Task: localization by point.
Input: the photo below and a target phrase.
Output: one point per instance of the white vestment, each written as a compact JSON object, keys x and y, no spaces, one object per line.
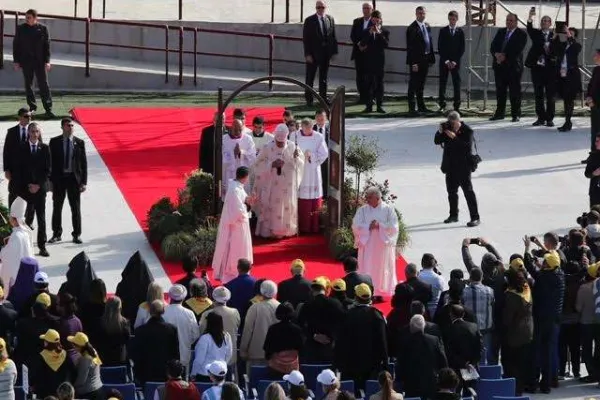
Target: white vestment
{"x":277,"y":205}
{"x":377,"y":247}
{"x":261,"y":141}
{"x":230,"y":162}
{"x":19,"y":245}
{"x":233,"y":239}
{"x":311,"y":185}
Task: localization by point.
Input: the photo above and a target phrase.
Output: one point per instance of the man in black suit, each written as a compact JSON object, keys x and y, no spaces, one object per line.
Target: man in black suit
{"x":451,"y":47}
{"x":15,"y":137}
{"x":419,"y":358}
{"x":295,"y":290}
{"x":353,"y":278}
{"x":373,"y":44}
{"x":322,"y":126}
{"x":69,"y":178}
{"x":320,"y":45}
{"x":507,"y":50}
{"x":359,"y":26}
{"x":462,"y":340}
{"x":421,"y":290}
{"x":592,"y":99}
{"x":419,"y":56}
{"x":31,"y":54}
{"x":34,"y":171}
{"x":207,"y":145}
{"x":543,"y":68}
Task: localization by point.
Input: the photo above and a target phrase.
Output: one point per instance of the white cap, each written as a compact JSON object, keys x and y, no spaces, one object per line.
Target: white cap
{"x":268,"y":289}
{"x":326,"y":377}
{"x":221,"y":294}
{"x":40,"y":277}
{"x":177,"y":292}
{"x":295,"y":378}
{"x":17,"y":210}
{"x":217,"y":368}
{"x":281,"y":133}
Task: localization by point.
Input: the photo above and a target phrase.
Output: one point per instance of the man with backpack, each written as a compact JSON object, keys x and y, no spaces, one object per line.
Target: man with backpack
{"x":176,"y":388}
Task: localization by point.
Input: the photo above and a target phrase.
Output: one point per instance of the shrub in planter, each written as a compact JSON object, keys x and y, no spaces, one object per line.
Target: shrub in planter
{"x":199,"y":186}
{"x":157,"y":227}
{"x":5,"y":229}
{"x":177,"y":245}
{"x":203,"y":248}
{"x":341,"y":243}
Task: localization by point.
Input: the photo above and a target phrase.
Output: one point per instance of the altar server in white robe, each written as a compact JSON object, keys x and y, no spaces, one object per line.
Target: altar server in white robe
{"x":19,"y":245}
{"x":375,"y":228}
{"x":234,"y":240}
{"x":238,"y":151}
{"x":310,"y":194}
{"x":278,"y":170}
{"x":259,"y":134}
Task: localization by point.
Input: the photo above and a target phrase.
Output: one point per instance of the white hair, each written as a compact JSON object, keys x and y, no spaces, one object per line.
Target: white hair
{"x":453,"y":116}
{"x":417,"y":324}
{"x":268,"y":289}
{"x":373,"y":191}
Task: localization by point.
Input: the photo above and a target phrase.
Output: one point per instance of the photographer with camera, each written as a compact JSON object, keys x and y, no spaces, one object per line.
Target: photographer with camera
{"x":551,"y":242}
{"x":576,"y":251}
{"x":456,"y":138}
{"x":592,"y":172}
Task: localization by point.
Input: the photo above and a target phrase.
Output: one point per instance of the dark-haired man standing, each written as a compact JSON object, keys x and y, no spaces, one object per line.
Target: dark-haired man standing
{"x":69,"y":179}
{"x":373,"y":43}
{"x":31,"y":54}
{"x":359,"y":26}
{"x":451,"y":47}
{"x":15,"y":137}
{"x":419,"y":57}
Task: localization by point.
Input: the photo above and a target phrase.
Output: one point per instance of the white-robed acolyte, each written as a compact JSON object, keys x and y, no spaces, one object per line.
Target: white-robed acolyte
{"x":277,"y":189}
{"x":261,"y":141}
{"x":230,"y":162}
{"x":19,"y":245}
{"x":311,"y":184}
{"x":377,"y":247}
{"x":234,"y":240}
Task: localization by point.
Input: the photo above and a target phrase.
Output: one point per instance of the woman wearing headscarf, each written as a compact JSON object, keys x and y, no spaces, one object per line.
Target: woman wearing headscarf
{"x":88,"y":384}
{"x":8,"y":374}
{"x":91,"y":312}
{"x":19,"y":245}
{"x":23,"y":287}
{"x":51,"y":367}
{"x":198,"y":301}
{"x":154,"y":292}
{"x":115,"y":333}
{"x":79,"y":278}
{"x":283,"y":343}
{"x":69,"y":323}
{"x":133,"y":287}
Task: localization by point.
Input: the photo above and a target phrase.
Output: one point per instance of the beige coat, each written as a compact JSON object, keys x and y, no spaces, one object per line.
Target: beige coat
{"x":258,"y":320}
{"x":231,"y":324}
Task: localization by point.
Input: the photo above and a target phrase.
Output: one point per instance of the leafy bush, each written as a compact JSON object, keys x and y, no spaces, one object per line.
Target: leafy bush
{"x":177,"y":245}
{"x":341,"y":243}
{"x":199,"y":191}
{"x":5,"y":229}
{"x":157,"y":227}
{"x":362,"y":156}
{"x":205,"y":239}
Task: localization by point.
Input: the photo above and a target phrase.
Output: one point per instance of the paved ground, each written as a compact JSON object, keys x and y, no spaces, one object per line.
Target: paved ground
{"x":395,"y":12}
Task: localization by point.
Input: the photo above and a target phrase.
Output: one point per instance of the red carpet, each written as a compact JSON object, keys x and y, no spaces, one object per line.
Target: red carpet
{"x":148,"y":151}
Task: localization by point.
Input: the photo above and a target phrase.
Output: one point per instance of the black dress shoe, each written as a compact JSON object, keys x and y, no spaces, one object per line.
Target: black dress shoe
{"x":565,"y":128}
{"x":539,"y":122}
{"x":77,"y":240}
{"x":424,"y":110}
{"x":49,"y":114}
{"x":496,"y":117}
{"x":413,"y":113}
{"x":380,"y":110}
{"x":368,"y":110}
{"x":30,"y":226}
{"x":450,"y":220}
{"x":473,"y":223}
{"x":54,"y":239}
{"x":549,"y":124}
{"x":515,"y":119}
{"x":44,"y":252}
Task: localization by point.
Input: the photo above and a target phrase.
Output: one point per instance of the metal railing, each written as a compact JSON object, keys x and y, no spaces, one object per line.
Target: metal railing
{"x":183,"y":33}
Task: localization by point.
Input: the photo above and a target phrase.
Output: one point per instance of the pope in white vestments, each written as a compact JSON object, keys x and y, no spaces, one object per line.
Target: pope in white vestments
{"x":310,"y":193}
{"x":234,"y":240}
{"x":375,"y":228}
{"x":238,"y":151}
{"x":19,"y":245}
{"x":278,"y":172}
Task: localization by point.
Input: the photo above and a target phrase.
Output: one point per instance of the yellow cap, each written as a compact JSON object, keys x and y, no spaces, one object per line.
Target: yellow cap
{"x":517,"y":264}
{"x":322,"y":281}
{"x":297,"y":266}
{"x":339,"y":285}
{"x":552,"y":259}
{"x":80,"y":339}
{"x":51,"y":336}
{"x":2,"y":344}
{"x":363,"y":291}
{"x":44,"y":299}
{"x":592,"y":270}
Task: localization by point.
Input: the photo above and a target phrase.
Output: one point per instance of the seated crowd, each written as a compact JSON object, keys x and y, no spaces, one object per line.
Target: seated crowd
{"x":537,"y":316}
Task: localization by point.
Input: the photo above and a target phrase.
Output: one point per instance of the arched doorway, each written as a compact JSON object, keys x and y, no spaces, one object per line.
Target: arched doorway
{"x":336,"y":114}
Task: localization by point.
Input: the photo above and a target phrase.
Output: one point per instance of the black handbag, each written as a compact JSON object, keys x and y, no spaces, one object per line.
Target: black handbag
{"x":475,"y":158}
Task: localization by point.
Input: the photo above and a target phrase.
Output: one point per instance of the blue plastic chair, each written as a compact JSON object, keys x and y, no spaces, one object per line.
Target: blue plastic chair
{"x":127,"y":390}
{"x":257,"y":373}
{"x":114,"y":374}
{"x":19,"y":393}
{"x":261,"y":387}
{"x":490,"y":371}
{"x":512,"y":398}
{"x":202,"y":386}
{"x":371,"y":387}
{"x":488,"y":388}
{"x":310,"y":372}
{"x":150,"y":388}
{"x":344,"y":386}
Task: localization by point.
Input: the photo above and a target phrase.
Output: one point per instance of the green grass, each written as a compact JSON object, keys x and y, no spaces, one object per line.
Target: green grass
{"x":395,"y":106}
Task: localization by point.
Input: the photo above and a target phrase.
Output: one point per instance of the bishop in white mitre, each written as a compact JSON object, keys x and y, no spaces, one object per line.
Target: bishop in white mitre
{"x":310,"y":193}
{"x":19,"y":245}
{"x":375,"y":228}
{"x":238,"y":151}
{"x":278,"y":171}
{"x":233,"y":238}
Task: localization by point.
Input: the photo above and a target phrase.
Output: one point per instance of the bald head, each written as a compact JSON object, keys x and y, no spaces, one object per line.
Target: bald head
{"x":367,"y":8}
{"x":236,"y":127}
{"x":320,"y":7}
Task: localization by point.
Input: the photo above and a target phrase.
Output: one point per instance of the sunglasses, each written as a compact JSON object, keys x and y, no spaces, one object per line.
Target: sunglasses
{"x":28,"y":116}
{"x":71,"y":125}
{"x":320,"y":7}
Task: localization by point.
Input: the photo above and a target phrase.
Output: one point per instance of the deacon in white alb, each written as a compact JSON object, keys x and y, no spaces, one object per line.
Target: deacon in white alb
{"x":238,"y":151}
{"x":375,"y":228}
{"x":19,"y":245}
{"x":278,"y":170}
{"x":234,"y":240}
{"x":259,"y":134}
{"x":310,"y":194}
